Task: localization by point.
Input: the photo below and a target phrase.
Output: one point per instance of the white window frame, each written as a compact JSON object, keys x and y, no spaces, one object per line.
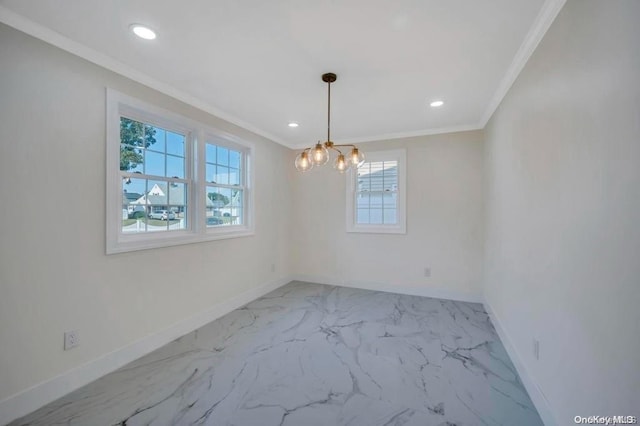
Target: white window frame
{"x":119,"y":105}
{"x":230,"y":142}
{"x":399,"y":155}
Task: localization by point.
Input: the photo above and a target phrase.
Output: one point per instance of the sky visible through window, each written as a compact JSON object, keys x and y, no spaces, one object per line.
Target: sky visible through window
{"x":150,"y":150}
{"x":153,"y":151}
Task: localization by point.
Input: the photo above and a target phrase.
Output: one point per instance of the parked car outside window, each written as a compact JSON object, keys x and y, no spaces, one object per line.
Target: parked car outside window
{"x":162,"y":215}
{"x":214,"y":221}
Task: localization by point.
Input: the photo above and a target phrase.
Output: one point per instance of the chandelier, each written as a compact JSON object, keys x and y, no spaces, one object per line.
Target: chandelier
{"x":320,"y":153}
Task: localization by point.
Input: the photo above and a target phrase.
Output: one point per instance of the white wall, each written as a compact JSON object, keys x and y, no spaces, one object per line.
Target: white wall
{"x":54,"y":274}
{"x":560,"y":205}
{"x":563,"y":211}
{"x":444,"y":224}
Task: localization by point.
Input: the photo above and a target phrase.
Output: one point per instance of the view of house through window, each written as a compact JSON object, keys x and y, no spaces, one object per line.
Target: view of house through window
{"x":154,"y":184}
{"x":377,"y":193}
{"x":172,"y":180}
{"x":225,"y":186}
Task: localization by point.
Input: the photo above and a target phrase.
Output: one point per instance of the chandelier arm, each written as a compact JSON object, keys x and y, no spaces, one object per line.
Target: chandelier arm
{"x":352,"y":146}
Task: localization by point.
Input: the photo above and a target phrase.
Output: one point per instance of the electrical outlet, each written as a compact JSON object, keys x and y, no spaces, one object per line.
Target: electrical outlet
{"x":71,"y":339}
{"x":427,"y":272}
{"x":536,"y":349}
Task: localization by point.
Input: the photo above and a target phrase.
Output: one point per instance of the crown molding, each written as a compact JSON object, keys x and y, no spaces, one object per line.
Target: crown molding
{"x":56,"y":39}
{"x":400,"y":135}
{"x":546,"y":16}
{"x":543,"y":21}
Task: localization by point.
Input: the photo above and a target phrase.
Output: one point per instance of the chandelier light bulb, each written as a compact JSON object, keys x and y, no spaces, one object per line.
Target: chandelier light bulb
{"x":356,"y":158}
{"x":303,"y":163}
{"x":319,"y":155}
{"x":341,"y":164}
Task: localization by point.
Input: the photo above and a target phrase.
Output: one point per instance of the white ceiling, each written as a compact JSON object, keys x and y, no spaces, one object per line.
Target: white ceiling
{"x":258,"y":63}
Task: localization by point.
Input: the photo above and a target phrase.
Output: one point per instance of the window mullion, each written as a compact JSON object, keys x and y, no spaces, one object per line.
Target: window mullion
{"x":153,"y":177}
{"x":377,"y":192}
{"x":222,"y":185}
{"x":198,"y":164}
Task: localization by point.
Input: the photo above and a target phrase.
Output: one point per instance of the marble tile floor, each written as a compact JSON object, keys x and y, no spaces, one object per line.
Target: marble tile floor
{"x":309,"y":354}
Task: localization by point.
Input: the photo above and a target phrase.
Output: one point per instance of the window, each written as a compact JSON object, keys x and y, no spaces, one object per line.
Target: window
{"x":155,"y":182}
{"x":225,"y":187}
{"x":376,"y":194}
{"x":158,"y":193}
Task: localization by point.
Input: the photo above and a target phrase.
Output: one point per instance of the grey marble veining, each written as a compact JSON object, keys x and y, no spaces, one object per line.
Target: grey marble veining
{"x":309,"y":354}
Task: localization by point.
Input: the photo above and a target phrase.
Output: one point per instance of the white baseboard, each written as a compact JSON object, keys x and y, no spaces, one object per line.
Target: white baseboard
{"x":43,"y":393}
{"x":534,"y":391}
{"x":391,"y":288}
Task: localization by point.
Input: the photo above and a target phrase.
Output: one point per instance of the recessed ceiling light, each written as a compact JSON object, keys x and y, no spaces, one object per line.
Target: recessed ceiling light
{"x":293,"y":124}
{"x":436,"y":104}
{"x":143,"y":32}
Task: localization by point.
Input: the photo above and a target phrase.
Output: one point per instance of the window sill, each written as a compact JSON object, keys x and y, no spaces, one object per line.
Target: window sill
{"x":377,"y":229}
{"x":177,"y":240}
